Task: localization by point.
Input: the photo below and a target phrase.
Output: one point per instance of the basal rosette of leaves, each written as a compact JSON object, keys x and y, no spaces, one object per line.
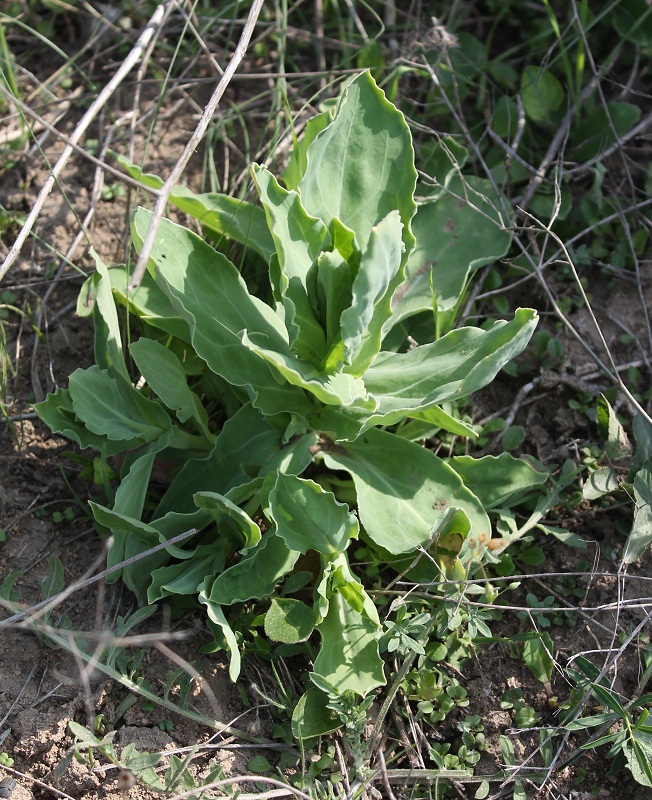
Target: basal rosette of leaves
{"x":307,"y":389}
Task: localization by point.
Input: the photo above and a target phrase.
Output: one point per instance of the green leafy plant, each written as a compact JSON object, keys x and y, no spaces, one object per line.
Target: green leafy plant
{"x":636,"y":480}
{"x":631,"y":743}
{"x":272,"y":426}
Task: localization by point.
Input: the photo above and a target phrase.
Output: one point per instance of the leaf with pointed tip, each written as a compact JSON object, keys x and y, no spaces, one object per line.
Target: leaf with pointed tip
{"x":334,"y":289}
{"x":220,"y":214}
{"x":361,"y":166}
{"x":208,"y":291}
{"x":299,"y":238}
{"x":165,"y":375}
{"x":256,"y":575}
{"x":298,"y":160}
{"x":640,"y":536}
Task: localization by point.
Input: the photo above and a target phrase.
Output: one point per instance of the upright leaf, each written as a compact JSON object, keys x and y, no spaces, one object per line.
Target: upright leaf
{"x":216,"y":616}
{"x":640,"y":537}
{"x":456,"y":233}
{"x":361,"y":166}
{"x":165,"y":375}
{"x":348,"y":657}
{"x":108,"y":339}
{"x":299,"y":238}
{"x":199,"y":281}
{"x":111,"y":407}
{"x":378,"y":276}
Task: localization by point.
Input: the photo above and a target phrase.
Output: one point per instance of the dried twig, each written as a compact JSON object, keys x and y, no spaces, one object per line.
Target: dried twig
{"x":193,"y":143}
{"x":151,"y":29}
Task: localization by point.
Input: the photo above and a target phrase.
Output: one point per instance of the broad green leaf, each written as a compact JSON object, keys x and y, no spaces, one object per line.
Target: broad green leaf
{"x":131,"y":539}
{"x":186,"y":577}
{"x":220,"y":214}
{"x":541,"y":92}
{"x":403,"y":489}
{"x":256,"y":575}
{"x":638,"y":752}
{"x":642,"y":431}
{"x":149,"y":303}
{"x":203,"y":285}
{"x":602,"y":128}
{"x":641,"y":534}
{"x":537,"y":654}
{"x":348,"y":657}
{"x":309,"y":518}
{"x":299,"y":238}
{"x":361,"y":167}
{"x":456,"y":234}
{"x":339,"y":389}
{"x":246,"y":441}
{"x":459,"y":363}
{"x":378,"y":276}
{"x":600,"y":482}
{"x":311,"y":716}
{"x":289,"y":621}
{"x":130,"y":495}
{"x":425,"y":424}
{"x":298,"y":159}
{"x":59,"y":415}
{"x":498,"y":480}
{"x":345,"y":243}
{"x":633,"y":21}
{"x":220,"y":507}
{"x":216,"y":616}
{"x":165,"y":375}
{"x":111,"y":407}
{"x":334,"y":290}
{"x":613,"y":434}
{"x":109,"y":353}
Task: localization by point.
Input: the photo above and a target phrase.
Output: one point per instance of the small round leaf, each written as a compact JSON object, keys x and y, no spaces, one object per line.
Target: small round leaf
{"x":289,"y":621}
